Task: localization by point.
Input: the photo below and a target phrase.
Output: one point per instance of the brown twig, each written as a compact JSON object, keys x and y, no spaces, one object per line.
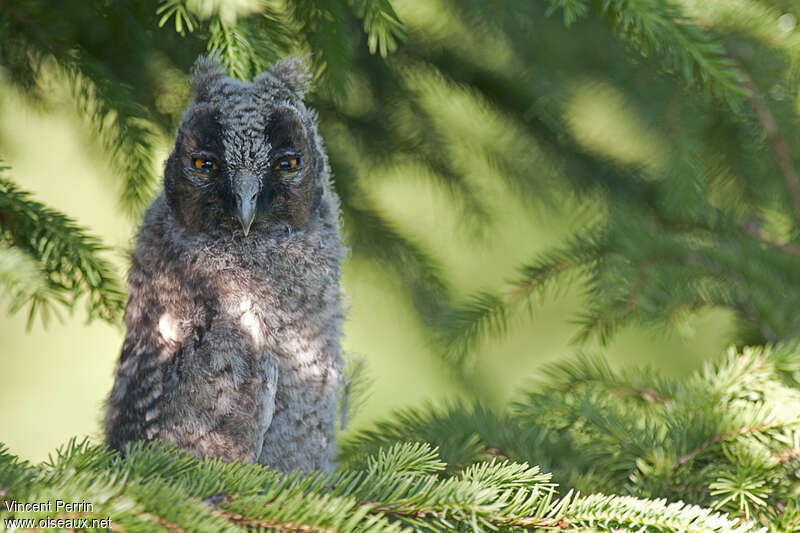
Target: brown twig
{"x":786,"y":455}
{"x":170,"y":525}
{"x":779,"y":145}
{"x":274,"y":525}
{"x":692,"y":488}
{"x":398,"y":510}
{"x":744,"y":304}
{"x":528,"y":286}
{"x":707,"y":444}
{"x":638,"y":282}
{"x":519,"y":521}
{"x":753,"y":231}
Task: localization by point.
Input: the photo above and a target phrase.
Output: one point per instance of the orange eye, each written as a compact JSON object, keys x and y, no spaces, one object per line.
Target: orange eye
{"x":204,"y":164}
{"x":288,"y":163}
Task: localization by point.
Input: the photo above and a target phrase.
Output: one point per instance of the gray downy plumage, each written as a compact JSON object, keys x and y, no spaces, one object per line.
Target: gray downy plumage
{"x":235,"y":312}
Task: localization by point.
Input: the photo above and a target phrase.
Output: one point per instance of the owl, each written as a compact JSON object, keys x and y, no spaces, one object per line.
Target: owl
{"x":234,"y":315}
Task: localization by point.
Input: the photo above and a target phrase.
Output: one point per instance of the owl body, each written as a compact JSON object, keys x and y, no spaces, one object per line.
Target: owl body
{"x":235,"y":311}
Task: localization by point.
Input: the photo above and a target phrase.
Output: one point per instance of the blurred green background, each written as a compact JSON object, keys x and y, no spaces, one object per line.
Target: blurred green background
{"x":54,"y":380}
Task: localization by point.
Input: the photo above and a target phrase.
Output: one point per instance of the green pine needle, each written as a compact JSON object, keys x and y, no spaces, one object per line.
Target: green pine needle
{"x":69,"y":260}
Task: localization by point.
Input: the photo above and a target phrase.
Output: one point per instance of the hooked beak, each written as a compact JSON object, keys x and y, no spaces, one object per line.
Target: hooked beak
{"x":245,"y":194}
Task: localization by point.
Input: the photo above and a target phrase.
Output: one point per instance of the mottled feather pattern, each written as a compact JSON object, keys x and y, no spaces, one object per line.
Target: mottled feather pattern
{"x":232,"y":345}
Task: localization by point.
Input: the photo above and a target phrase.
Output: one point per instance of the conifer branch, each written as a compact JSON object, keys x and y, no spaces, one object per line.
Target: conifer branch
{"x":752,"y":230}
{"x":776,"y":141}
{"x":274,"y":525}
{"x":742,"y":300}
{"x":67,"y":256}
{"x":242,"y":49}
{"x":626,"y":512}
{"x":381,"y":24}
{"x":716,"y":439}
{"x":37,"y":40}
{"x":405,"y":484}
{"x":735,"y":419}
{"x":586,"y":370}
{"x":160,"y":485}
{"x":663,"y":27}
{"x":369,"y":234}
{"x":323,"y":26}
{"x":21,"y":279}
{"x":573,"y":9}
{"x":123,"y":126}
{"x":460,"y":328}
{"x":177,"y":9}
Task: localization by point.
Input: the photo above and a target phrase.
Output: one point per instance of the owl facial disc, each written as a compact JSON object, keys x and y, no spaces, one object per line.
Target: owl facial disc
{"x":247,"y":155}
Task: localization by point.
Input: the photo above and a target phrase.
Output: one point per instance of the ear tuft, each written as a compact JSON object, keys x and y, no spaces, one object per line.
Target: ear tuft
{"x":292,"y":72}
{"x":205,"y":72}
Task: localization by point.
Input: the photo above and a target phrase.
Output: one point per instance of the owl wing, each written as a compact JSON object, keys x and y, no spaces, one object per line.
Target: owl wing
{"x":138,"y":385}
{"x":206,"y":389}
{"x":269,"y":378}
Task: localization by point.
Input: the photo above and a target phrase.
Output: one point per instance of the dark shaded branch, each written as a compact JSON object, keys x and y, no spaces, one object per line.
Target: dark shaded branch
{"x":776,"y":141}
{"x":752,"y":230}
{"x":718,"y":438}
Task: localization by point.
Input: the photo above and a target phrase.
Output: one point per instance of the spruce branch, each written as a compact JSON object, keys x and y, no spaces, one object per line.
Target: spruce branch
{"x":644,"y":387}
{"x":39,"y":40}
{"x":661,"y":26}
{"x":626,"y":512}
{"x":402,"y":483}
{"x":776,"y":141}
{"x":123,"y":126}
{"x":231,"y":45}
{"x":405,"y":132}
{"x":68,"y":257}
{"x":370,"y":235}
{"x":270,"y":525}
{"x":160,"y":487}
{"x":729,"y":428}
{"x":381,"y":24}
{"x":742,"y":300}
{"x":227,"y":11}
{"x":324,"y":28}
{"x":573,"y":9}
{"x":22,"y":280}
{"x":177,"y":9}
{"x":752,"y":229}
{"x":27,"y":44}
{"x":460,"y":328}
{"x":719,"y":438}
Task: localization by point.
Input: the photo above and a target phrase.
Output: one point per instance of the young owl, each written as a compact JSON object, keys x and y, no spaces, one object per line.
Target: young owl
{"x":234,"y":315}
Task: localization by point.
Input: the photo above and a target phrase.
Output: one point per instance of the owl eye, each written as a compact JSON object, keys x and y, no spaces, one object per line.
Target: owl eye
{"x":204,"y":164}
{"x":291,"y":162}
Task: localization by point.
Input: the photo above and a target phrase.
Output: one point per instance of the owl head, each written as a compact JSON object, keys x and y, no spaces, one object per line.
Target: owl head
{"x":247,"y":155}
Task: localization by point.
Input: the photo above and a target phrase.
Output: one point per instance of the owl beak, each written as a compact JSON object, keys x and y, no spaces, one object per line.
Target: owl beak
{"x":245,"y":193}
